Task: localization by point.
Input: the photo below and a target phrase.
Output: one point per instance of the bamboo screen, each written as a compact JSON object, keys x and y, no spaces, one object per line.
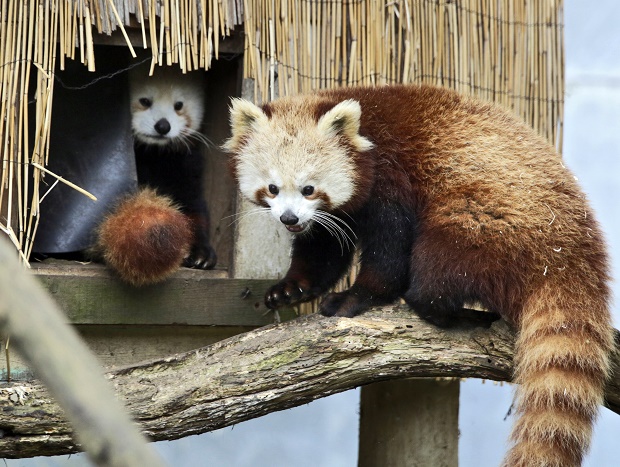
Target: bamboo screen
{"x":38,"y":36}
{"x":501,"y":50}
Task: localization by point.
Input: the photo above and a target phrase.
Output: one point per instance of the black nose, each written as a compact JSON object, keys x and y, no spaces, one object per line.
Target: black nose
{"x":162,"y":126}
{"x":288,"y":218}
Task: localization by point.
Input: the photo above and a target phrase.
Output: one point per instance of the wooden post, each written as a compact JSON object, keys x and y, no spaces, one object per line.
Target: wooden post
{"x":262,"y":246}
{"x":411,"y":423}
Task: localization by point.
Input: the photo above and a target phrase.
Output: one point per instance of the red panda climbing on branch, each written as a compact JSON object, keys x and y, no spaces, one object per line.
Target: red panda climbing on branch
{"x":449,"y":199}
{"x":166,"y":224}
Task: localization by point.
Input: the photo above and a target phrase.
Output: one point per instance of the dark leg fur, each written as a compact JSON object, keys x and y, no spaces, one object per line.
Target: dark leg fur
{"x":446,"y":314}
{"x":201,"y":255}
{"x":177,"y":173}
{"x":352,"y":302}
{"x":386,"y":234}
{"x":317,"y":264}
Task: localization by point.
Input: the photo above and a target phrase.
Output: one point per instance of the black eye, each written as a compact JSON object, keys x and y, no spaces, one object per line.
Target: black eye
{"x":273,"y":189}
{"x":307,"y":190}
{"x":178,"y":105}
{"x":145,"y":102}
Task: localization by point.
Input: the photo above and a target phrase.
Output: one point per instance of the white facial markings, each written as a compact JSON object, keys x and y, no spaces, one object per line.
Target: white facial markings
{"x":291,"y":151}
{"x":175,"y":107}
{"x":245,"y":119}
{"x":344,"y":118}
{"x":294,"y":203}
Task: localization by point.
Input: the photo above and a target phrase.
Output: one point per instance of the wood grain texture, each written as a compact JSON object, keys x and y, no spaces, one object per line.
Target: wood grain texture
{"x":90,"y":294}
{"x":412,"y":422}
{"x":266,"y":370}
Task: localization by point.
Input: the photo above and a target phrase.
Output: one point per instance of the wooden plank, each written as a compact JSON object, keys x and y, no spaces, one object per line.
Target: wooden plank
{"x":223,"y":82}
{"x":262,"y":245}
{"x":118,"y":346}
{"x":90,"y":294}
{"x":127,"y":345}
{"x":409,"y":422}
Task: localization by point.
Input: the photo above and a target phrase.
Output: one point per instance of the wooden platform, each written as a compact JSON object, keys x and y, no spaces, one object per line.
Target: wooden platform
{"x":125,"y":325}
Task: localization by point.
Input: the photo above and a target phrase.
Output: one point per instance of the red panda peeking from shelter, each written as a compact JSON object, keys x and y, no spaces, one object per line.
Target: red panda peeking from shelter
{"x":166,"y":224}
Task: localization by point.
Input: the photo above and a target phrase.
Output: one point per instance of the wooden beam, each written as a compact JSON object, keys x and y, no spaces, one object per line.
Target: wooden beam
{"x":262,"y":245}
{"x":91,"y":294}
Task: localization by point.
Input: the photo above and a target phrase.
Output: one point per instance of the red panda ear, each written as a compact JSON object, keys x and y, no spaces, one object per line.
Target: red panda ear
{"x":245,"y":118}
{"x":344,"y":119}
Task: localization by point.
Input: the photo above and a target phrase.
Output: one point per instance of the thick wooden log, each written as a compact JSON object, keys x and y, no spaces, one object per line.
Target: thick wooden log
{"x":266,"y":370}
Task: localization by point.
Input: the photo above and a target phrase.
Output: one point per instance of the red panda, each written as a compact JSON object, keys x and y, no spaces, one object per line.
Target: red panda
{"x":449,"y":199}
{"x":167,"y":111}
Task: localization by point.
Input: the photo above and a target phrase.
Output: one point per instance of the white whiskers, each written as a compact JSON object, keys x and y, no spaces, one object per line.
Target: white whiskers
{"x":189,"y":134}
{"x":339,"y":229}
{"x":243,"y":214}
{"x":336,"y":227}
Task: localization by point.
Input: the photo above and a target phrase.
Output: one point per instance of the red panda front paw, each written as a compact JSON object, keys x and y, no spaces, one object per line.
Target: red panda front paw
{"x":344,"y":304}
{"x":201,"y":257}
{"x":289,"y":292}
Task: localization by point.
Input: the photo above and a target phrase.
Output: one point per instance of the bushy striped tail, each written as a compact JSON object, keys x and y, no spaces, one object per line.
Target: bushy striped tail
{"x":562,"y":361}
{"x":145,"y":238}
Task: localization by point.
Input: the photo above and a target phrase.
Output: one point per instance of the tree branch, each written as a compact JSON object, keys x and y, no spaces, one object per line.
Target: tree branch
{"x":270,"y":369}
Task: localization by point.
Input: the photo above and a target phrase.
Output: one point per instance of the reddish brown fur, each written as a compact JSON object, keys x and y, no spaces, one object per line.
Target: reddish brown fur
{"x":498,"y":219}
{"x":145,"y":238}
{"x":525,"y":236}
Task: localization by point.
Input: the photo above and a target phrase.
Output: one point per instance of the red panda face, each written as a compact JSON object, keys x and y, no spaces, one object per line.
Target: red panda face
{"x":298,"y":167}
{"x":165,"y":108}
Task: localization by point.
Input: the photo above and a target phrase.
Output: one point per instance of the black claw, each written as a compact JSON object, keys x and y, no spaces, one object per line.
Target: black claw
{"x":287,"y":292}
{"x":201,"y":258}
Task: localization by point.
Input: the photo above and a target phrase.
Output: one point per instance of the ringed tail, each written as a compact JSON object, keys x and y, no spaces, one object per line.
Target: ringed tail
{"x":561,"y":364}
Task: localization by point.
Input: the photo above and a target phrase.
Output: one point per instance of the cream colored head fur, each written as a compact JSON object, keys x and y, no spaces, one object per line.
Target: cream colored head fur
{"x":167,"y":107}
{"x":278,"y":157}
